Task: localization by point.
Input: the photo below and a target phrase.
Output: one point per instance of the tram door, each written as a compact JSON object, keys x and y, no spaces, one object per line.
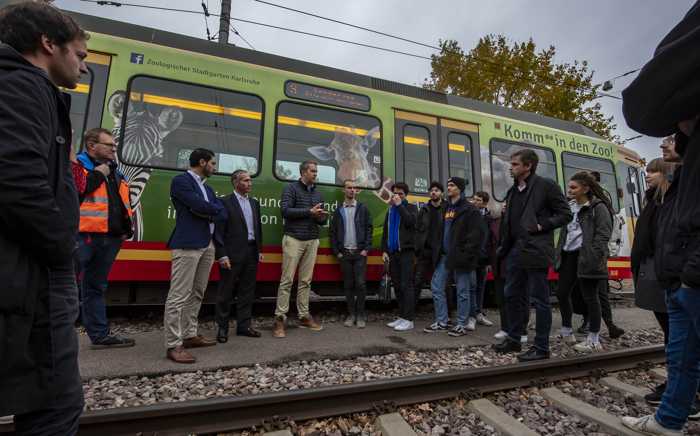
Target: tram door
{"x":431,"y":148}
{"x":459,"y":153}
{"x":417,"y":153}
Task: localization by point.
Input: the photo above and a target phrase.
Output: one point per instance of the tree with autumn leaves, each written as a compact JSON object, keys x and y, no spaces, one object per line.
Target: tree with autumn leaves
{"x":519,"y":76}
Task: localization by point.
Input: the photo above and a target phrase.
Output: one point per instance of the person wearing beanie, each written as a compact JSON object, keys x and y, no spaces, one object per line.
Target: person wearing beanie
{"x":462,"y":236}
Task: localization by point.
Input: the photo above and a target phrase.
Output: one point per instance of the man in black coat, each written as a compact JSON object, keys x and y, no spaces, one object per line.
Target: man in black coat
{"x":429,"y":229}
{"x":536,"y":206}
{"x":238,"y":242}
{"x":398,"y":248}
{"x":665,"y":100}
{"x":351,"y":239}
{"x":40,"y":384}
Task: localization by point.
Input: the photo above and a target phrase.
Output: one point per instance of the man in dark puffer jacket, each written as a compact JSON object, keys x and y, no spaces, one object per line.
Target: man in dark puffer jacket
{"x":303,"y":213}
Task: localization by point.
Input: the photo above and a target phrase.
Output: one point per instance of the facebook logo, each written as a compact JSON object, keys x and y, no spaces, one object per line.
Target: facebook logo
{"x":137,"y":58}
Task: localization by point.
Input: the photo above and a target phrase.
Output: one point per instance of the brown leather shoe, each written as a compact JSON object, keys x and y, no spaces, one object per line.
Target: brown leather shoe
{"x":309,"y":323}
{"x":180,"y":355}
{"x":198,"y":341}
{"x":278,"y":328}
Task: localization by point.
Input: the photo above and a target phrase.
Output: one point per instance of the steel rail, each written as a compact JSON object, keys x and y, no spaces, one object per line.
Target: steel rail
{"x":234,"y":413}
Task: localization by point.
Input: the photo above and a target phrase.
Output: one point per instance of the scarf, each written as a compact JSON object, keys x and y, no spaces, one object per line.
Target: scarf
{"x":394,"y":224}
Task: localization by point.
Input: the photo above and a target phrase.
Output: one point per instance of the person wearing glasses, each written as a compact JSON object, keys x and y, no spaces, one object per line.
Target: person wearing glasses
{"x":105,"y":221}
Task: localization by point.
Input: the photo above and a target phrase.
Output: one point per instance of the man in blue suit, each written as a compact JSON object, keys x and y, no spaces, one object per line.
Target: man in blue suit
{"x":192,"y":254}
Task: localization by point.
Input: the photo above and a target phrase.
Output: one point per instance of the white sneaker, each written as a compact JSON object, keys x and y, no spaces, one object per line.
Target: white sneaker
{"x":395,"y":322}
{"x":588,"y":346}
{"x":523,"y":339}
{"x":648,"y":425}
{"x":471,"y":324}
{"x":481,"y":319}
{"x":501,"y":335}
{"x":405,"y":325}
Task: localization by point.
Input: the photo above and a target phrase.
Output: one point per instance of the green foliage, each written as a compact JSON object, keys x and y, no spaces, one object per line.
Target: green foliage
{"x":520,"y":77}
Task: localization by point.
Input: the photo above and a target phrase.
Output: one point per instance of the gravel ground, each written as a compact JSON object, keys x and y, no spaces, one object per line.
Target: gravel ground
{"x":358,"y":424}
{"x":533,"y":410}
{"x":136,"y":391}
{"x":612,"y":401}
{"x":448,"y":418}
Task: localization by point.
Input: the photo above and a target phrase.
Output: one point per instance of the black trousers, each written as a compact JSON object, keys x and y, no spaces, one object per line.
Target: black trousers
{"x":401,"y":270}
{"x":60,"y":417}
{"x":589,"y":288}
{"x":239,"y":282}
{"x":604,"y":298}
{"x":354,"y":266}
{"x":424,"y":270}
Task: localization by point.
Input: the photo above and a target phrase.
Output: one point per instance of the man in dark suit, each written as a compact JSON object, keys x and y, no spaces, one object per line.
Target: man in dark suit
{"x":238,"y":241}
{"x":192,"y":254}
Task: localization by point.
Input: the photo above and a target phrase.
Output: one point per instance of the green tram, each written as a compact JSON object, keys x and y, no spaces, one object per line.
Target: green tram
{"x":165,"y":94}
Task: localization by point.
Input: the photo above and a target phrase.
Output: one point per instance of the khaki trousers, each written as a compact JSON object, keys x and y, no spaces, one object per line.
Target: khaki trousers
{"x":189,"y":277}
{"x":301,"y":254}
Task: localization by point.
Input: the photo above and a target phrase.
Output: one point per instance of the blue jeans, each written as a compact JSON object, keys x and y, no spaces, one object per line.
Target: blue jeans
{"x":682,"y":357}
{"x":522,"y":287}
{"x":465,"y":281}
{"x":477,"y":294}
{"x":96,"y":253}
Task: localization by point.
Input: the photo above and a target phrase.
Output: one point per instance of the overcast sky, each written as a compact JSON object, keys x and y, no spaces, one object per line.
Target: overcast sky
{"x":613,"y":36}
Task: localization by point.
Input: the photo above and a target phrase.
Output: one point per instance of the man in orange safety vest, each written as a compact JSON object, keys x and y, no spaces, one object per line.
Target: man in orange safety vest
{"x":105,"y":221}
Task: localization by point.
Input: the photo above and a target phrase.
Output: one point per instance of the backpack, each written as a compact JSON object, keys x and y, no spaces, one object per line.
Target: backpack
{"x":615,"y":243}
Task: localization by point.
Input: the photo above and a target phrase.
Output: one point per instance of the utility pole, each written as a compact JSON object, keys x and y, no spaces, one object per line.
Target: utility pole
{"x":224,"y":21}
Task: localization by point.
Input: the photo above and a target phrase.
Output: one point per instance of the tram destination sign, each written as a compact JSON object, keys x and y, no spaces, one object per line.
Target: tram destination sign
{"x":333,"y":97}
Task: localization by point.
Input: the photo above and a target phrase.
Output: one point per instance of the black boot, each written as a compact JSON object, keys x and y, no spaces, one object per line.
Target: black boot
{"x":507,"y":346}
{"x":533,"y":354}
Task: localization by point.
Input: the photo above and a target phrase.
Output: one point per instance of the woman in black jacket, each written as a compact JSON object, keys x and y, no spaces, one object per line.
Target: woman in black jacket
{"x":648,"y":293}
{"x":582,"y":256}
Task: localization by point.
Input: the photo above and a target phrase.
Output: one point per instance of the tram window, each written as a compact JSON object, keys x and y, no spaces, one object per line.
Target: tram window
{"x":416,"y":158}
{"x":87,"y":99}
{"x":633,"y":176}
{"x":500,"y":165}
{"x":346,"y":145}
{"x":166,"y":120}
{"x":574,"y":163}
{"x":459,"y":150}
{"x":80,"y":97}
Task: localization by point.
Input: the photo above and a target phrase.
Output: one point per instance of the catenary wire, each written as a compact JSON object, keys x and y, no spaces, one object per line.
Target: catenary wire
{"x":333,"y":20}
{"x":546,"y":79}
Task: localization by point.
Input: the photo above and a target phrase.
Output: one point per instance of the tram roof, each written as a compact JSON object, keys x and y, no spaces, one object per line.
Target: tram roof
{"x":169,"y":39}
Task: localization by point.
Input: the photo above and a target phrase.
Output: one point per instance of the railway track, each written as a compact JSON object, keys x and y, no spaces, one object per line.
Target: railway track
{"x":233,"y":413}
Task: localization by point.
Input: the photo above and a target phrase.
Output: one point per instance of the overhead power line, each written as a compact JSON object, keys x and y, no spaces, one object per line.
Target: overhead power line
{"x":241,"y":36}
{"x":333,"y":20}
{"x":206,"y":21}
{"x":545,"y":79}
